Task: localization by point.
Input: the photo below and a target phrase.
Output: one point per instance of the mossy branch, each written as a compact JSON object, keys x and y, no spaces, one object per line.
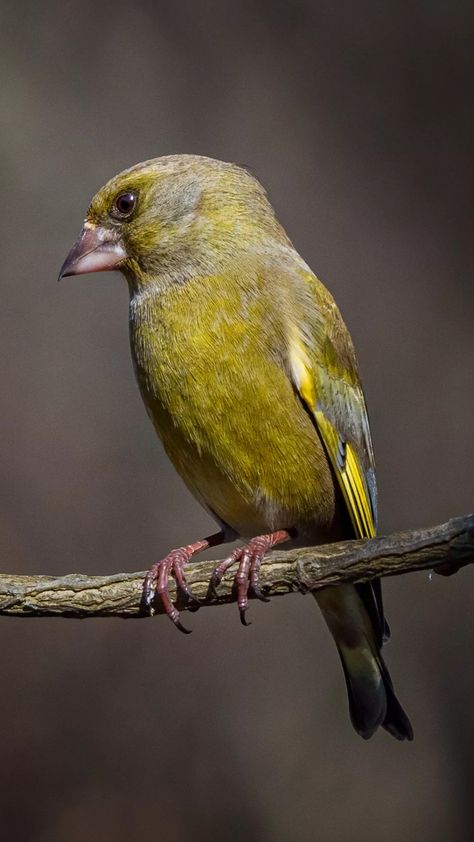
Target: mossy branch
{"x":443,"y":549}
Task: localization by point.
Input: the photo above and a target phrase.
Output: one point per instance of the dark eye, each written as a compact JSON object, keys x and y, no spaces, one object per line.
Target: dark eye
{"x":124,"y":205}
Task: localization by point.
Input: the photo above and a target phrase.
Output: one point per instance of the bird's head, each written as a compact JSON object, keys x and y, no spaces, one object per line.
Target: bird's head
{"x":172,"y":218}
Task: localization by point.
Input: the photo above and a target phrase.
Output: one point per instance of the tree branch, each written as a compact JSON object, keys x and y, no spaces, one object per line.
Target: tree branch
{"x":443,"y":549}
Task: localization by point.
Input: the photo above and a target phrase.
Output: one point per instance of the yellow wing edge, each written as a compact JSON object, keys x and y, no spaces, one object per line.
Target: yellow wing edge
{"x":343,"y":456}
{"x":350,"y":476}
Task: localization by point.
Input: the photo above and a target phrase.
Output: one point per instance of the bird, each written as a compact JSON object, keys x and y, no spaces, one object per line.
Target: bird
{"x":249,"y":376}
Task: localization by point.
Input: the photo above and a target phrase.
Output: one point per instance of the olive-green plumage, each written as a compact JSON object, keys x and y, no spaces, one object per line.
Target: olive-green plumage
{"x":249,"y":376}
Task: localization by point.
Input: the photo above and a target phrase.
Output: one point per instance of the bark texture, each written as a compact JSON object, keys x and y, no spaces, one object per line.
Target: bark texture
{"x":444,"y":549}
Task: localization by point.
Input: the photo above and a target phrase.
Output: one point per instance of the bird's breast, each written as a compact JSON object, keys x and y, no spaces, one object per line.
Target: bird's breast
{"x":212,"y":377}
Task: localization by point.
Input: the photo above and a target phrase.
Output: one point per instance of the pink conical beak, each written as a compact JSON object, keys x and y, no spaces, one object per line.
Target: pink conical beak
{"x":95,"y":250}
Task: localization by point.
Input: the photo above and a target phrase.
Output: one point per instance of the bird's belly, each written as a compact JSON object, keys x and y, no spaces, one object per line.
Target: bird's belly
{"x":256,"y":477}
{"x":222,"y":403}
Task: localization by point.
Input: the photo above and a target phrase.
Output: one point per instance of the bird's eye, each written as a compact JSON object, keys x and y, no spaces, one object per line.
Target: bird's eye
{"x":125,"y":204}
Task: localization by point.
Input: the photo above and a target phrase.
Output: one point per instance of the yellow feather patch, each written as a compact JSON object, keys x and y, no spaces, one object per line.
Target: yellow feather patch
{"x":350,"y":476}
{"x":342,"y":455}
{"x":301,"y":371}
{"x":358,"y":483}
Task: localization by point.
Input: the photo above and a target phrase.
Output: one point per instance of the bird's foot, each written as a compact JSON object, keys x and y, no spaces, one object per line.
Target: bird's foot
{"x":156,"y":581}
{"x":247,"y":578}
{"x":156,"y":584}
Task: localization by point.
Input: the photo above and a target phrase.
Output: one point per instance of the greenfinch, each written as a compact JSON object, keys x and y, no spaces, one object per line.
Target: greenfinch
{"x":249,"y":376}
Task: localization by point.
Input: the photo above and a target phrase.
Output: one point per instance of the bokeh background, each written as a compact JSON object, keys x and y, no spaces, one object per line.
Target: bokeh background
{"x":357,"y":118}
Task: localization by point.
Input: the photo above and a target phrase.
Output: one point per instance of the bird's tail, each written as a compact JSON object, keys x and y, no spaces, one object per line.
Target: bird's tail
{"x":372,"y":700}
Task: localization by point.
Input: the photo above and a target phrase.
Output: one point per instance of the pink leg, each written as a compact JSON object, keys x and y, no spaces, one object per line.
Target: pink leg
{"x":247,"y":577}
{"x":156,"y":581}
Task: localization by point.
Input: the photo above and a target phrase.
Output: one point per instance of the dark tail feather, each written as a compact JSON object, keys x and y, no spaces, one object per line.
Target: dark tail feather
{"x":372,"y":701}
{"x":366,"y":691}
{"x":396,"y":721}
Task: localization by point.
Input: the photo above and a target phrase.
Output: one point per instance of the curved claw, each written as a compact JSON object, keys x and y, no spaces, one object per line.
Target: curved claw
{"x":182,"y":628}
{"x":214,"y":583}
{"x":256,"y":590}
{"x":148,"y":600}
{"x":149,"y":591}
{"x":173,"y":614}
{"x":242,"y":612}
{"x":193,"y":605}
{"x":192,"y":602}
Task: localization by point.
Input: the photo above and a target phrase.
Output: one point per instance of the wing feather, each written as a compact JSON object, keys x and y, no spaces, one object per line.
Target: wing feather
{"x":324,"y":371}
{"x":331,"y":391}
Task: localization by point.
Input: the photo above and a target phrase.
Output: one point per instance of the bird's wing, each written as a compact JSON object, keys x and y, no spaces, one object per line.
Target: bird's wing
{"x":324,"y":371}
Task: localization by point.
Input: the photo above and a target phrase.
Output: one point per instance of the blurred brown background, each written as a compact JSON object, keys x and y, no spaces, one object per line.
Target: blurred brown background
{"x":356,"y":117}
